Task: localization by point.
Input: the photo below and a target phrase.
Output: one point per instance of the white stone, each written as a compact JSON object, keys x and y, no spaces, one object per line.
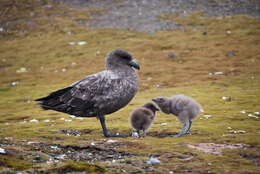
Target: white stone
{"x":153,"y":161}
{"x":72,"y":43}
{"x":163,"y":124}
{"x":135,"y":134}
{"x":207,"y":116}
{"x":21,"y":70}
{"x":82,"y":43}
{"x":2,"y":151}
{"x":34,"y":121}
{"x":243,"y":112}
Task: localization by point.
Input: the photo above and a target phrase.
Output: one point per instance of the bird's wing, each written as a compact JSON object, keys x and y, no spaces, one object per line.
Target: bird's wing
{"x":80,"y":98}
{"x":86,"y":96}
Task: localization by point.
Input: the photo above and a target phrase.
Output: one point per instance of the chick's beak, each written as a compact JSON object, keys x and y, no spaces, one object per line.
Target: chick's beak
{"x":133,"y":63}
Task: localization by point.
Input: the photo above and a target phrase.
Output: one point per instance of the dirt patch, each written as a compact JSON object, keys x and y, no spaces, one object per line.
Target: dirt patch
{"x":142,"y":15}
{"x":90,"y":153}
{"x":215,"y":149}
{"x":255,"y":158}
{"x":72,"y":132}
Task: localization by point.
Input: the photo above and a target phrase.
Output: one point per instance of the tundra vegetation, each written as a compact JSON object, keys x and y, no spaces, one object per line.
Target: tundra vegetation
{"x":44,"y":48}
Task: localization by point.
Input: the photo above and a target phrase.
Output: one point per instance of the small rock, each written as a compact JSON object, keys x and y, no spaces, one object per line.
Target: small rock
{"x":46,"y":121}
{"x":92,"y":144}
{"x":63,"y":70}
{"x":204,"y":33}
{"x":238,"y":131}
{"x":226,"y":98}
{"x":251,"y":115}
{"x":72,"y":116}
{"x":172,"y":56}
{"x":230,"y":53}
{"x":257,"y":113}
{"x":34,"y":121}
{"x":82,"y":43}
{"x":21,"y":70}
{"x":79,"y":118}
{"x":1,"y":29}
{"x":228,"y":32}
{"x":163,"y":124}
{"x":229,"y":128}
{"x":135,"y":134}
{"x":67,"y":120}
{"x":62,"y":156}
{"x":14,"y":83}
{"x":54,"y":147}
{"x":32,"y":142}
{"x":2,"y":151}
{"x":62,"y":118}
{"x":149,"y":78}
{"x":73,"y":63}
{"x":48,"y":6}
{"x":207,"y":116}
{"x":153,"y":161}
{"x":157,"y":86}
{"x":216,"y":73}
{"x":72,"y":43}
{"x":112,"y":141}
{"x":243,"y":112}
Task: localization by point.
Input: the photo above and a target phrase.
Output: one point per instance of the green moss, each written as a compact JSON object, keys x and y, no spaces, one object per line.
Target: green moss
{"x":79,"y":166}
{"x":13,"y":163}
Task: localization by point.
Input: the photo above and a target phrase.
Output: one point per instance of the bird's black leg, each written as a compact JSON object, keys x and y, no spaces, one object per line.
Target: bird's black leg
{"x":104,"y":127}
{"x":189,"y":126}
{"x":103,"y":124}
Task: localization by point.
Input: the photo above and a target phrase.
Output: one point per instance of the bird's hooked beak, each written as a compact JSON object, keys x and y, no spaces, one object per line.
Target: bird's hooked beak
{"x":133,"y":63}
{"x":157,"y":100}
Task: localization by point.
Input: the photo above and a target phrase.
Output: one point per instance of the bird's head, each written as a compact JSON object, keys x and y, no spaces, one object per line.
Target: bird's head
{"x":151,"y":106}
{"x":120,"y":58}
{"x":162,"y":103}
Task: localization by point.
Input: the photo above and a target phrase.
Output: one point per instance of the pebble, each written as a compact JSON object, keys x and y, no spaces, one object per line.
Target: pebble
{"x":230,"y":53}
{"x":226,"y":98}
{"x":1,"y":29}
{"x":2,"y":151}
{"x":22,"y":70}
{"x":34,"y":121}
{"x":238,"y":131}
{"x":153,"y":161}
{"x":243,"y":112}
{"x":163,"y":124}
{"x":14,"y":83}
{"x":72,"y":116}
{"x":172,"y":56}
{"x":82,"y":43}
{"x":72,"y":43}
{"x":112,"y":141}
{"x":67,"y":120}
{"x":251,"y":115}
{"x":207,"y":116}
{"x":257,"y":113}
{"x":228,"y":32}
{"x":135,"y":134}
{"x":216,"y":73}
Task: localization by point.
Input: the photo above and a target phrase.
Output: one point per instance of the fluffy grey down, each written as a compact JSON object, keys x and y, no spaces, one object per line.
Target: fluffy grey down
{"x":184,"y":107}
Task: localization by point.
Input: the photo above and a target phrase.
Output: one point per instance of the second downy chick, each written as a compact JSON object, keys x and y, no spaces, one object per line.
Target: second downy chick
{"x":142,"y":118}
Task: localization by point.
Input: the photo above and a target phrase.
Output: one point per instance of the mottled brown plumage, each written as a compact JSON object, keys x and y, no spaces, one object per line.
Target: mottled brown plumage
{"x":99,"y":94}
{"x":142,"y":118}
{"x":184,"y":107}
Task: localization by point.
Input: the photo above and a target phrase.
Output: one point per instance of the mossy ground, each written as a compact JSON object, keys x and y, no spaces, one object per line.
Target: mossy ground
{"x":44,"y":51}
